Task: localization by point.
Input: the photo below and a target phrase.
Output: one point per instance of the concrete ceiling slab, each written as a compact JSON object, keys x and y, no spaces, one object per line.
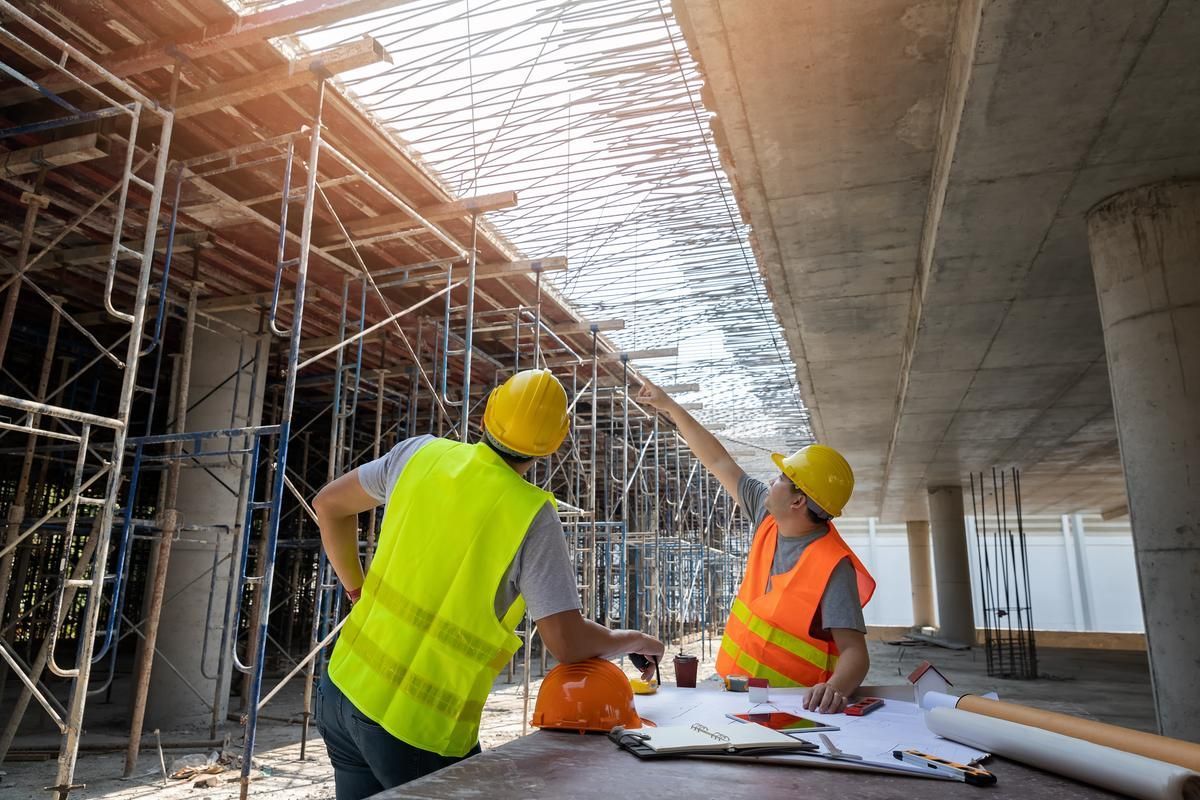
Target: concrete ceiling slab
{"x":1050,"y":330}
{"x":916,"y":175}
{"x":1020,"y":387}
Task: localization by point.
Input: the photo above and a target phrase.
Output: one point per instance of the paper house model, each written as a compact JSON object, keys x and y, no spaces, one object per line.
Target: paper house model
{"x":926,"y":678}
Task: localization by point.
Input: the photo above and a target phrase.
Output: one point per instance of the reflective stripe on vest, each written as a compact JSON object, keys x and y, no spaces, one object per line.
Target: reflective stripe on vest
{"x":422,"y":645}
{"x":806,"y":663}
{"x":767,"y":634}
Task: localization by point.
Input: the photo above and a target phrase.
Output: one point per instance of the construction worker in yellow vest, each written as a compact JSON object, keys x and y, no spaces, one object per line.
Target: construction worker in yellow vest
{"x":466,"y":545}
{"x":797,"y":619}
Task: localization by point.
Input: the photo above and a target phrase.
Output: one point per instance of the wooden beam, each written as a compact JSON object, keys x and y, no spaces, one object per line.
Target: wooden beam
{"x":399,"y":222}
{"x":280,"y":79}
{"x":691,"y":406}
{"x":586,"y":327}
{"x":658,"y":352}
{"x":498,"y":333}
{"x":53,"y":154}
{"x":1115,"y":512}
{"x":217,"y":37}
{"x":485,"y":271}
{"x":632,"y":355}
{"x":213,"y":305}
{"x":92,"y":254}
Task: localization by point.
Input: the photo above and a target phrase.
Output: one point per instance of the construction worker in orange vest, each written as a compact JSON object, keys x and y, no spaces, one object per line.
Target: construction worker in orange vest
{"x":465,"y":547}
{"x":797,"y":619}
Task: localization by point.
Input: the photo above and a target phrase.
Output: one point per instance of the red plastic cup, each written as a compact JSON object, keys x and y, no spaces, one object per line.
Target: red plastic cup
{"x":685,"y":671}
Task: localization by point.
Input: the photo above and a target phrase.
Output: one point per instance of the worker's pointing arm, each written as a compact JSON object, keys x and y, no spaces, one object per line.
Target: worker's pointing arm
{"x":337,"y":507}
{"x":712,"y":453}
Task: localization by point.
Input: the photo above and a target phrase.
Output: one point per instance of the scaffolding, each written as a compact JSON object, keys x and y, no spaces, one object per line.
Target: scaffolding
{"x":363,"y":306}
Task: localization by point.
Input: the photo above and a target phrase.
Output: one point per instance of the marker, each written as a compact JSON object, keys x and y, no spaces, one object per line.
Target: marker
{"x":961,"y":772}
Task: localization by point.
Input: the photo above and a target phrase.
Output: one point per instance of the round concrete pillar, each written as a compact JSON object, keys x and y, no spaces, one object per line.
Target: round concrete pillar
{"x":920,"y":570}
{"x":1145,"y":246}
{"x":207,"y":505}
{"x":956,"y":619}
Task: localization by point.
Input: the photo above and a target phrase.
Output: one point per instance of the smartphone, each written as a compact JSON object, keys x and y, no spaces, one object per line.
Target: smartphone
{"x":784,"y":722}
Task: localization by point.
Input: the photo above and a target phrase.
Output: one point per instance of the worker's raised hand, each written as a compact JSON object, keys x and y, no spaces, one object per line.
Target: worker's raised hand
{"x":651,"y":395}
{"x":824,"y":699}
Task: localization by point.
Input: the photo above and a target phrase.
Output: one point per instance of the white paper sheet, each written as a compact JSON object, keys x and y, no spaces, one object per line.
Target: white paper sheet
{"x":898,"y":725}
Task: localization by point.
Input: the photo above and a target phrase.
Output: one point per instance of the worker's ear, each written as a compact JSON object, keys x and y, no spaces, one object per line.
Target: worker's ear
{"x":799,"y":501}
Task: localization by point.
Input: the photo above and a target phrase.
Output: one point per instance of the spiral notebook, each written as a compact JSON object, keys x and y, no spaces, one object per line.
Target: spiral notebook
{"x":699,"y":738}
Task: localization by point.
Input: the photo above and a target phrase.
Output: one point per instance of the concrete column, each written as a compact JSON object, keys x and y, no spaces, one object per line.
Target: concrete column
{"x":207,"y":503}
{"x":920,"y":570}
{"x":956,"y":620}
{"x":1145,"y":246}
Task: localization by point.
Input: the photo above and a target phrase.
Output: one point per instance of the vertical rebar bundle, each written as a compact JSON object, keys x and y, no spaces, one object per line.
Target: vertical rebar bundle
{"x":1003,"y":562}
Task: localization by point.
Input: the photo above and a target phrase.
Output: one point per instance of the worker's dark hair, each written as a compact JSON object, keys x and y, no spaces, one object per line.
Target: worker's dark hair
{"x":510,"y":458}
{"x":815,"y":513}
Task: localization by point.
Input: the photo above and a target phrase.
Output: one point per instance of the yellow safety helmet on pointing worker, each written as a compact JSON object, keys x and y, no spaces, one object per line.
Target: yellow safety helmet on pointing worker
{"x":821,"y":473}
{"x":527,"y":414}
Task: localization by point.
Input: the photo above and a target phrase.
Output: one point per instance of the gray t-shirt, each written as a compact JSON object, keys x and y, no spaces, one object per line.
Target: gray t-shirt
{"x":840,"y":607}
{"x":541,"y":569}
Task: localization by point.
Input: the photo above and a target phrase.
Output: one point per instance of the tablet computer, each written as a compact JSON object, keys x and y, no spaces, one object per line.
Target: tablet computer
{"x":784,"y":722}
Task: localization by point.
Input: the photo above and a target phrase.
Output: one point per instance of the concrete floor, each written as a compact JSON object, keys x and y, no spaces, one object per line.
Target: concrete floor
{"x":1107,"y":685}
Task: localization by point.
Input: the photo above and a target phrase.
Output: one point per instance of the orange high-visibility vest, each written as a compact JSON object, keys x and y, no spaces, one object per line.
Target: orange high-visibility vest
{"x":768,"y":633}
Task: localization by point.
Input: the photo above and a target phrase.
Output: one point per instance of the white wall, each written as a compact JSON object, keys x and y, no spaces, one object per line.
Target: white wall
{"x":1093,"y":587}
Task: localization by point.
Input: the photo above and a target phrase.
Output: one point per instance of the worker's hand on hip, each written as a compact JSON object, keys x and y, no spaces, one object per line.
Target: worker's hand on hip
{"x":653,"y":649}
{"x":824,"y":699}
{"x":651,"y":395}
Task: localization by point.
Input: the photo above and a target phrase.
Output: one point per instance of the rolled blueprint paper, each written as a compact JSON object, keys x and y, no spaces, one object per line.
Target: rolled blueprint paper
{"x":931,"y":700}
{"x":1115,"y":770}
{"x":1160,"y":748}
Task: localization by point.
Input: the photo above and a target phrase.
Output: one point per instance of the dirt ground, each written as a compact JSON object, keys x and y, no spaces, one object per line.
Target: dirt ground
{"x":279,"y":771}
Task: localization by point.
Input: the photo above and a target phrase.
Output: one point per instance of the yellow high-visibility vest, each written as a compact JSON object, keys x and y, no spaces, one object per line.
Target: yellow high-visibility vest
{"x":422,"y":646}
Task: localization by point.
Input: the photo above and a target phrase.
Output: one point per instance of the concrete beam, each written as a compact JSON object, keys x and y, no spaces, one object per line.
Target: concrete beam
{"x":676,"y":388}
{"x":963,"y":43}
{"x":53,"y":154}
{"x":400,"y":222}
{"x":207,"y":40}
{"x":298,"y":73}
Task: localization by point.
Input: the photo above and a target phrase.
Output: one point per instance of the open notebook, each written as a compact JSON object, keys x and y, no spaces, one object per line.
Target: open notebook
{"x":747,"y":739}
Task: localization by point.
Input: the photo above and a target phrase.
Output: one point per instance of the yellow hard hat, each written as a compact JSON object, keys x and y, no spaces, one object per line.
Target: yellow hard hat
{"x":821,"y":473}
{"x":527,"y":414}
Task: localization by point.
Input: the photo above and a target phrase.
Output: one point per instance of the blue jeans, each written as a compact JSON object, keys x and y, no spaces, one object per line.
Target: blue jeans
{"x":366,"y":758}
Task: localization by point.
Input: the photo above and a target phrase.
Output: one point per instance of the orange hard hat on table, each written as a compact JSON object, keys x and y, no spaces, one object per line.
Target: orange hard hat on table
{"x":592,"y":695}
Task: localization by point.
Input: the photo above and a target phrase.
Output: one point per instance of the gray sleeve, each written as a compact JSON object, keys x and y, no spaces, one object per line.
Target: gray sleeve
{"x":752,"y":497}
{"x":541,"y":571}
{"x":839,"y":605}
{"x":379,"y":476}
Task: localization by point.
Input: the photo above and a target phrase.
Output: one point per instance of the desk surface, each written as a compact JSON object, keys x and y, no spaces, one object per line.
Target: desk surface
{"x":553,"y":764}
